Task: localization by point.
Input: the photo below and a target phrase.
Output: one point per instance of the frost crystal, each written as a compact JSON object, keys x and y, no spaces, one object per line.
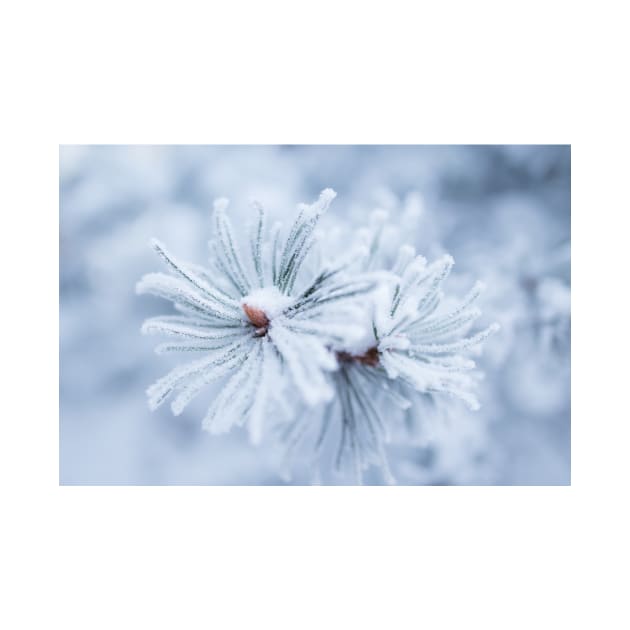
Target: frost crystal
{"x":253,"y":319}
{"x":347,"y":335}
{"x":414,"y":344}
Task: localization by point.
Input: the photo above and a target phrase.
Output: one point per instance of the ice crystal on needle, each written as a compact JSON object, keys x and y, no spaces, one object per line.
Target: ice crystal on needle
{"x":351,"y":335}
{"x":413,"y":344}
{"x":255,"y":319}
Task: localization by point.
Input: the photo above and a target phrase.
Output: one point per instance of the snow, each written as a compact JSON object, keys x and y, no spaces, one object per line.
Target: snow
{"x":269,"y":300}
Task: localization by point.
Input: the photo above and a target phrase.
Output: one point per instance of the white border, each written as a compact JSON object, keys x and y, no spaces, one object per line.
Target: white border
{"x":322,"y":557}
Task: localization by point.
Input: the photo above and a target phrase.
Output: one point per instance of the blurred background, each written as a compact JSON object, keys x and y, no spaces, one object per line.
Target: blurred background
{"x":503,"y":212}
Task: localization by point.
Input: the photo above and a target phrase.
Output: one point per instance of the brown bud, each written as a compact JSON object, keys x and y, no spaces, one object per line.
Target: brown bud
{"x":256,"y":316}
{"x":368,"y":358}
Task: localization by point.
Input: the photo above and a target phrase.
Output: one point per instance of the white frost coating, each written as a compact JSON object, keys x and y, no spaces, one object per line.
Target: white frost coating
{"x":394,"y":342}
{"x":287,"y":333}
{"x":269,"y":300}
{"x":410,"y":347}
{"x":352,"y":336}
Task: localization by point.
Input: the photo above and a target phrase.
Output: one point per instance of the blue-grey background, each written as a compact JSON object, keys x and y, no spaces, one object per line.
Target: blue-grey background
{"x":503,"y":212}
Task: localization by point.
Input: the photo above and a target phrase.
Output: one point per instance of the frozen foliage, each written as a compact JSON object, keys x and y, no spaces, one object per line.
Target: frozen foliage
{"x":257,"y":319}
{"x":502,"y":212}
{"x":344,"y":333}
{"x":414,"y":343}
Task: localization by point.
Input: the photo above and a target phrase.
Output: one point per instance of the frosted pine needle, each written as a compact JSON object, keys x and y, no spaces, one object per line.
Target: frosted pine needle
{"x":255,"y":319}
{"x":347,"y":334}
{"x":412,"y":344}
